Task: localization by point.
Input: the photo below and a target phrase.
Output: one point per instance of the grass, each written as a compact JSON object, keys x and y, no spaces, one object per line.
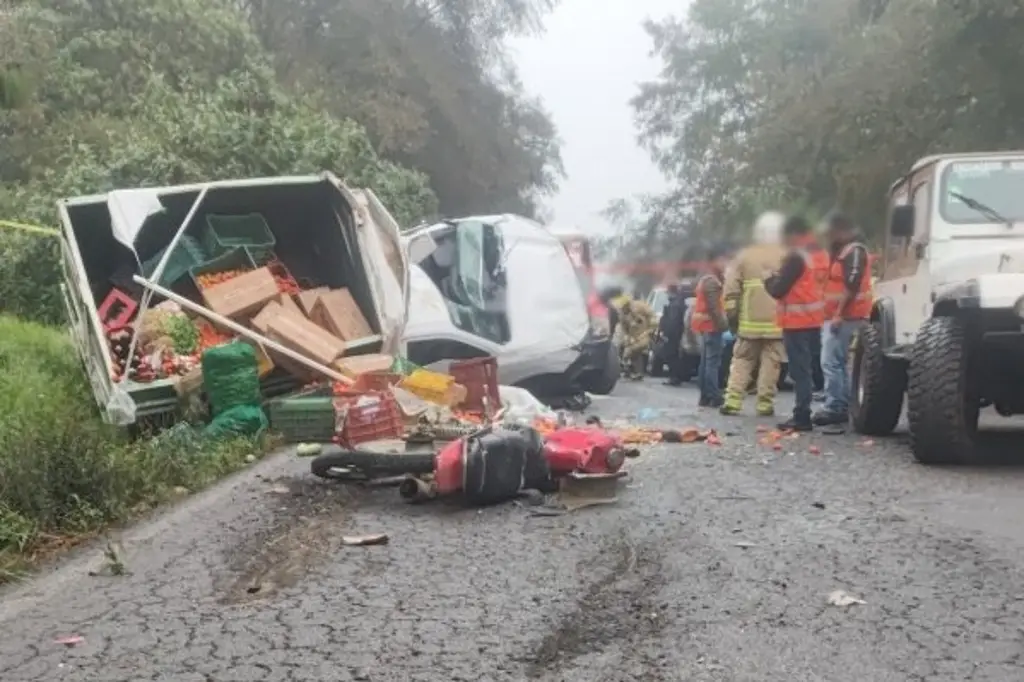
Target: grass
{"x":64,"y":474}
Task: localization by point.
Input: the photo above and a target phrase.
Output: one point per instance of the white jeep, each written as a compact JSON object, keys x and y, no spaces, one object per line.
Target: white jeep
{"x":947,"y":326}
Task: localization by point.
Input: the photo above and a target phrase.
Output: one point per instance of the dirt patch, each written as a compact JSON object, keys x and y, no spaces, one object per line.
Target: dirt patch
{"x":619,"y":607}
{"x":307,"y":516}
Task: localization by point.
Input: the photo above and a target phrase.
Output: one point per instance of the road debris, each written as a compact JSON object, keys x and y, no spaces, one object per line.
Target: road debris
{"x":70,"y":640}
{"x":577,"y":491}
{"x":818,"y":505}
{"x":113,"y":561}
{"x":308,"y":449}
{"x":743,"y":544}
{"x":364,"y":540}
{"x":842,"y":599}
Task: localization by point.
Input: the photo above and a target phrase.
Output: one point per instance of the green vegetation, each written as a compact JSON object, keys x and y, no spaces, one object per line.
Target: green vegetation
{"x":65,"y":473}
{"x":412,"y":98}
{"x":812,"y":104}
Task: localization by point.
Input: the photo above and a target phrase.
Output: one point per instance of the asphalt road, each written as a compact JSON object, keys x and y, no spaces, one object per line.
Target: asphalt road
{"x":716,"y":564}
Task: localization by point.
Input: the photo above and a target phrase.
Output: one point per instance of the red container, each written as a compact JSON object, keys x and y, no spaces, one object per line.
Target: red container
{"x":376,"y":381}
{"x":378,"y":419}
{"x":480,"y":377}
{"x":116,"y":310}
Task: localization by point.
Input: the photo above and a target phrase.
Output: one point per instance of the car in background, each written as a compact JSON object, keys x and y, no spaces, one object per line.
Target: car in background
{"x":505,"y":286}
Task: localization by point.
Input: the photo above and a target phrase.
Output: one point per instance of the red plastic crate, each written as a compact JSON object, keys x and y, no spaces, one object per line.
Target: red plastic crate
{"x":377,"y":421}
{"x":480,"y":377}
{"x":116,"y":310}
{"x":376,"y":381}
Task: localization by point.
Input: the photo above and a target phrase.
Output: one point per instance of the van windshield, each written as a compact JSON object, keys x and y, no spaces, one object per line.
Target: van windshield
{"x":983,"y":192}
{"x":658,"y":300}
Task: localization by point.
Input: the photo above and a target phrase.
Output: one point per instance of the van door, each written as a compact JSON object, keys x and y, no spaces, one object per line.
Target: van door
{"x":384,"y":260}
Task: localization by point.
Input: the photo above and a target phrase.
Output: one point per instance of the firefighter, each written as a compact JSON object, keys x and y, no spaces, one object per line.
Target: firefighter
{"x":848,"y":302}
{"x":751,"y":312}
{"x":709,"y":320}
{"x":637,"y":323}
{"x":799,"y":289}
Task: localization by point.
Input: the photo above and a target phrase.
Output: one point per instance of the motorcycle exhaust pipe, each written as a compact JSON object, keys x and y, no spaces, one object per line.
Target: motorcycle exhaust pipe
{"x":414,"y":490}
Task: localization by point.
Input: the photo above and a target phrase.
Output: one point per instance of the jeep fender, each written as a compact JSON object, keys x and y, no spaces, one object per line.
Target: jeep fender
{"x":884,"y":314}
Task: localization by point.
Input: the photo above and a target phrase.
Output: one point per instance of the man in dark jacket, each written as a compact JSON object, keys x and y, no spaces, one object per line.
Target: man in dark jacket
{"x":672,"y":320}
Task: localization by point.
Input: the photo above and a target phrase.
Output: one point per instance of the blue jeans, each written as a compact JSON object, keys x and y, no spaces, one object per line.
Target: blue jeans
{"x":710,"y":368}
{"x":799,"y":345}
{"x":835,"y":349}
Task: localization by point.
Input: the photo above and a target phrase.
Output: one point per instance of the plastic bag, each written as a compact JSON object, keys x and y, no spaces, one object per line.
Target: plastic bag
{"x":231,"y":377}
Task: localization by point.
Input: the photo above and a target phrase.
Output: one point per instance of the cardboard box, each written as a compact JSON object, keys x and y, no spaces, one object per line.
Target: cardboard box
{"x":242,"y":295}
{"x":293,"y":367}
{"x":288,"y":303}
{"x":302,"y":336}
{"x":361,"y":364}
{"x":273,"y":309}
{"x":337,"y":312}
{"x":307,"y":299}
{"x":264,"y":363}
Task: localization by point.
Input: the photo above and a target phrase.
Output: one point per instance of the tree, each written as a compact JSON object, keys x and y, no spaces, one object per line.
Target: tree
{"x":430,"y":82}
{"x":821,"y":103}
{"x":117,"y":102}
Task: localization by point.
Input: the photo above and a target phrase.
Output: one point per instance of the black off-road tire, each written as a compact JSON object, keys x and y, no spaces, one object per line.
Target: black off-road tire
{"x":941,"y":407}
{"x":371,"y":463}
{"x":877,"y":385}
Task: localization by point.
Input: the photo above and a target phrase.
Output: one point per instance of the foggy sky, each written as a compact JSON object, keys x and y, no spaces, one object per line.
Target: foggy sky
{"x":586,"y":66}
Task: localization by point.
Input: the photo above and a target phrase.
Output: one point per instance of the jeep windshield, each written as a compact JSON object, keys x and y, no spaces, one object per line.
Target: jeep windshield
{"x":983,"y":192}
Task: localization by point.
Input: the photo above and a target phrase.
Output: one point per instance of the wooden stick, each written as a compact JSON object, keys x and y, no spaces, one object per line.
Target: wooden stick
{"x":244,"y":331}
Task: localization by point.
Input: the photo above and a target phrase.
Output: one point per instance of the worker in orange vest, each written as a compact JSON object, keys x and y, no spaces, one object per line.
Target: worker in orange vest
{"x":848,"y":301}
{"x":799,"y":290}
{"x":710,"y":322}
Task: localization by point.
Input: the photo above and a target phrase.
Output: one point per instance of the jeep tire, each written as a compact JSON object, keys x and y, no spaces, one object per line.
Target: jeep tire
{"x":877,"y":385}
{"x":942,"y":408}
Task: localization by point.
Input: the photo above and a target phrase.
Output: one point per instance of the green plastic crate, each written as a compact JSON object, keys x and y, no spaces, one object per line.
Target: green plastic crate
{"x":235,"y":259}
{"x":303,"y":420}
{"x":226,"y":232}
{"x":187,"y":254}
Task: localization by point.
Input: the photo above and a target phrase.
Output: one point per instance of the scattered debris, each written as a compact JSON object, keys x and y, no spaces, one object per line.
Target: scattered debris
{"x":814,"y":450}
{"x":113,"y":561}
{"x":866,"y":443}
{"x":842,"y":599}
{"x":364,"y":540}
{"x":743,"y":544}
{"x":818,"y":505}
{"x":577,"y":491}
{"x":834,"y":430}
{"x":70,"y":640}
{"x":308,"y":449}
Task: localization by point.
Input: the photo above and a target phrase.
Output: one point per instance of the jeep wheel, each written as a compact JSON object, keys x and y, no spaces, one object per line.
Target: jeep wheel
{"x":941,"y":406}
{"x":877,"y":386}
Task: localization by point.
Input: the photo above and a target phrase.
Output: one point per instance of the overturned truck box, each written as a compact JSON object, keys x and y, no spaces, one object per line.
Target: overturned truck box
{"x":325,"y":235}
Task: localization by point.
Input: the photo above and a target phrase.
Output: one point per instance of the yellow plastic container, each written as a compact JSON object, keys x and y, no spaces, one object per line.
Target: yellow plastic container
{"x":430,"y":386}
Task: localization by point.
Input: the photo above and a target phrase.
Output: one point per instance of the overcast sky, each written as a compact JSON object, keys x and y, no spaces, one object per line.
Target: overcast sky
{"x":586,"y":67}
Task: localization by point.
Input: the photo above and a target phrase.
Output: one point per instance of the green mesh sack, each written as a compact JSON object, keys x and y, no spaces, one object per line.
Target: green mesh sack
{"x":231,"y":377}
{"x":243,"y":420}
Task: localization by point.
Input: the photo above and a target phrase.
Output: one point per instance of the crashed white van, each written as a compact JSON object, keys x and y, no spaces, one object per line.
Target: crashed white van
{"x":504,"y":286}
{"x":325,"y":232}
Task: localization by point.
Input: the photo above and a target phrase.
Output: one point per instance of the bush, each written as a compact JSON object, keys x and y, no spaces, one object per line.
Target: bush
{"x":62,"y":470}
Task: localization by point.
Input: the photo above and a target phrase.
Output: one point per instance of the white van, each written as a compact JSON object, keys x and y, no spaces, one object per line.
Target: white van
{"x":504,"y":286}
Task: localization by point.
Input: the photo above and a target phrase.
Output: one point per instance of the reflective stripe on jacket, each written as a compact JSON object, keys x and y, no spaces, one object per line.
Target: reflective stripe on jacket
{"x":835,"y":289}
{"x":803,"y":307}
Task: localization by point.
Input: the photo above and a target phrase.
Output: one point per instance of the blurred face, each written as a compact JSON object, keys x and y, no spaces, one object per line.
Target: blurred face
{"x":720,"y":263}
{"x":840,"y":234}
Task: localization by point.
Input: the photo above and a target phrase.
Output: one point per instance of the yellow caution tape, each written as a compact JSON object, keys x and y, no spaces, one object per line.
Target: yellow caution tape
{"x":38,"y":229}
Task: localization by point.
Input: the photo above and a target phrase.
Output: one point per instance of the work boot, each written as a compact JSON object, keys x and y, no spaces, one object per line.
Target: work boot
{"x":716,"y":403}
{"x":794,"y":424}
{"x":729,"y":410}
{"x":675,"y":383}
{"x":765,"y":410}
{"x":827,"y":418}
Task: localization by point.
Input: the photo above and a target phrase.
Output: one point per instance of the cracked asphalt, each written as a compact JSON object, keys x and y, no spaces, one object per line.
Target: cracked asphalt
{"x":715,"y":564}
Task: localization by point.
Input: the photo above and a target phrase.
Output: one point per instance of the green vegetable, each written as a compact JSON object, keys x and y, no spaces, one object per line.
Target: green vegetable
{"x":184,"y":335}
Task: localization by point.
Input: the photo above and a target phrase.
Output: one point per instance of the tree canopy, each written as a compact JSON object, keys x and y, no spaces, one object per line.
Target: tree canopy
{"x":813,"y":104}
{"x":413,"y":98}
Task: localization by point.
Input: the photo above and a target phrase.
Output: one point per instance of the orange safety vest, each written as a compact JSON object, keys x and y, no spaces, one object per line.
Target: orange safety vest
{"x":835,"y":289}
{"x":803,"y":307}
{"x":701,"y":322}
